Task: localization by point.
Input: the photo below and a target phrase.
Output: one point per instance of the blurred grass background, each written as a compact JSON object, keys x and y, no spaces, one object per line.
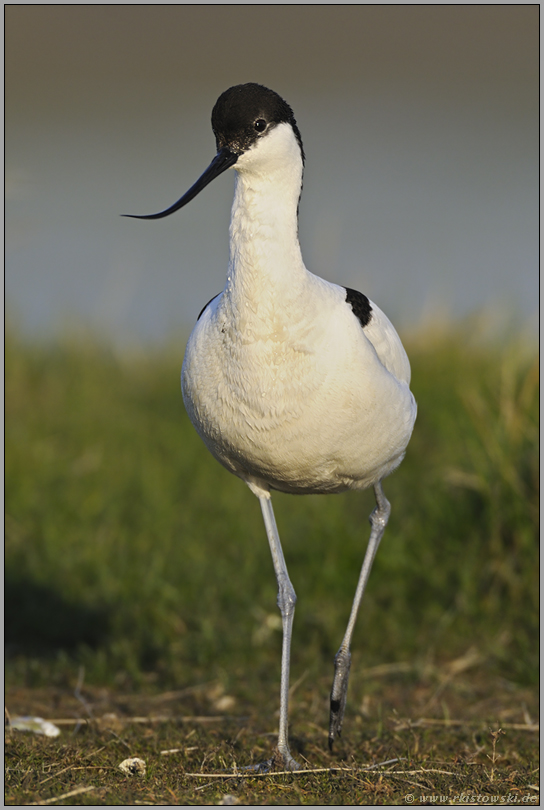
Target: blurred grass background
{"x":132,"y":553}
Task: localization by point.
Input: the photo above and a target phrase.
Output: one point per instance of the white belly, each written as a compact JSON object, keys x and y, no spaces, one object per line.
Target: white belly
{"x":298,"y":420}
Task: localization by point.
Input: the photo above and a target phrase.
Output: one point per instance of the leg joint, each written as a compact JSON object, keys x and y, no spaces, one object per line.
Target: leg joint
{"x":287,"y":597}
{"x":379,"y":516}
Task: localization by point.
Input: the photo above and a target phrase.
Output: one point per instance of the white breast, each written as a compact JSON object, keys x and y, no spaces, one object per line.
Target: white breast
{"x":308,"y":407}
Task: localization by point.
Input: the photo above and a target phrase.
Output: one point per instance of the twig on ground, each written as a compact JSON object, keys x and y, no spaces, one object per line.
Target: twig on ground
{"x":302,"y":771}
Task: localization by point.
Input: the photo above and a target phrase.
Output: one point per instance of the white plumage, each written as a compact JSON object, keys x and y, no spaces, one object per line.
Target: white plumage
{"x":293,"y":383}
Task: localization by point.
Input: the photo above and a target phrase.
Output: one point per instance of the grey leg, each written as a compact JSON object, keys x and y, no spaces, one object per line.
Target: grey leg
{"x":286,"y":602}
{"x":342,"y":662}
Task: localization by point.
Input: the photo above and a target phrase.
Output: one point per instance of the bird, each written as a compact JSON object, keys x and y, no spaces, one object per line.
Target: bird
{"x":294,"y":383}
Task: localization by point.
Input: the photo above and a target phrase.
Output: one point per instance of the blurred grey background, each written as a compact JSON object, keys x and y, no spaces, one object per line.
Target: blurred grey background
{"x":419,"y":122}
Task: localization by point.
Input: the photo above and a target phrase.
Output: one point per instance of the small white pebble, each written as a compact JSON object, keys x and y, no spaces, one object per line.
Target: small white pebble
{"x":229,"y":799}
{"x":224,"y":703}
{"x":133,"y":766}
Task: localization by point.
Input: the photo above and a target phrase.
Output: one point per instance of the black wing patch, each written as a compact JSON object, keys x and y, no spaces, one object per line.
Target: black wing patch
{"x":360,"y":306}
{"x":207,"y":305}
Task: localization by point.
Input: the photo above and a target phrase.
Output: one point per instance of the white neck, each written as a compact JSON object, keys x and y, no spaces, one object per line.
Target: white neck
{"x":265,"y":259}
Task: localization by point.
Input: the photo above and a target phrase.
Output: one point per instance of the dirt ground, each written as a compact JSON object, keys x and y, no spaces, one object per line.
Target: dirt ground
{"x":446,"y":739}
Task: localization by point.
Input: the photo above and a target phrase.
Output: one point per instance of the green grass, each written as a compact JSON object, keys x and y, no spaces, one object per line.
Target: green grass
{"x":132,"y":554}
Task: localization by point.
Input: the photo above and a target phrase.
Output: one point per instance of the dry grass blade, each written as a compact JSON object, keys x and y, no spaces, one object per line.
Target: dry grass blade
{"x":422,"y":722}
{"x":68,"y":795}
{"x":304,"y":771}
{"x":159,"y":718}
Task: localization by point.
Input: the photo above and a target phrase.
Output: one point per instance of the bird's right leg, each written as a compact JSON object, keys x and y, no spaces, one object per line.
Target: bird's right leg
{"x":282,"y":758}
{"x":342,"y":662}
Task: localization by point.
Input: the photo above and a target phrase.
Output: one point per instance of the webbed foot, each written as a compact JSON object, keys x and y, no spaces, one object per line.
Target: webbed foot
{"x":279,"y":761}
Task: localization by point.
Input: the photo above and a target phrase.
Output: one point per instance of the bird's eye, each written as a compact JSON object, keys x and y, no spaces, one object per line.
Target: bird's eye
{"x":260,"y":125}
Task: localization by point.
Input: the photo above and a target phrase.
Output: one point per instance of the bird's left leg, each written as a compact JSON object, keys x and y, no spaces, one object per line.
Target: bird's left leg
{"x":342,"y":662}
{"x":282,"y":759}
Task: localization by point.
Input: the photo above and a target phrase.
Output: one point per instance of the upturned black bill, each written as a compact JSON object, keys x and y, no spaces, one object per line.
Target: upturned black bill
{"x":221,"y":162}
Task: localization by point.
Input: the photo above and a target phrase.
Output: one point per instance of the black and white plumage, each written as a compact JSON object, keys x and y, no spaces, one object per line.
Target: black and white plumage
{"x":293,"y":383}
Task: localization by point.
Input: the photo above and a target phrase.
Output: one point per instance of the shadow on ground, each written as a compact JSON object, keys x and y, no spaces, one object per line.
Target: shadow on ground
{"x":41,"y":622}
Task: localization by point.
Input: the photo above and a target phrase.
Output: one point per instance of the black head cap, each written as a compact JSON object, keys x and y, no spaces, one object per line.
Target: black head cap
{"x":246,"y":112}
